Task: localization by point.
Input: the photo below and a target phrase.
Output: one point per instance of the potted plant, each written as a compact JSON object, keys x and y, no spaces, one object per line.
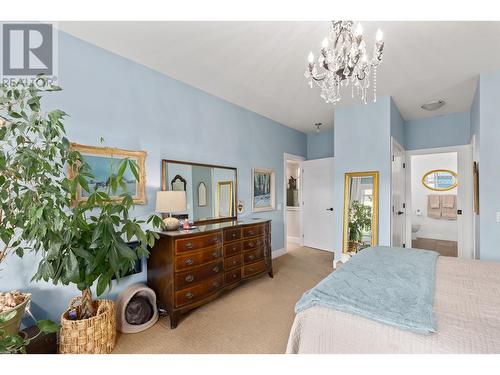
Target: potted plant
{"x":83,"y":243}
{"x":359,"y":222}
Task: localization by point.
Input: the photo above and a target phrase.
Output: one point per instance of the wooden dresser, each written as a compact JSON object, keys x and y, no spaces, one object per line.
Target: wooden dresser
{"x":187,"y":269}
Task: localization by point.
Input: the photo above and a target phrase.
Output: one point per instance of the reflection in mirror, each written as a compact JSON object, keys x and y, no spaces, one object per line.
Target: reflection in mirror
{"x":201,"y":183}
{"x":202,"y":194}
{"x":224,"y":201}
{"x":360,"y":211}
{"x":440,"y":180}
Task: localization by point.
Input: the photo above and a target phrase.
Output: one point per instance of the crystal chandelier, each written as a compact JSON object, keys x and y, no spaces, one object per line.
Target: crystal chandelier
{"x":343,"y":60}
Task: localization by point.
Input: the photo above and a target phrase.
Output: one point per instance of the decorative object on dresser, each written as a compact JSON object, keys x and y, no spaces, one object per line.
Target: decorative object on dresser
{"x":169,"y":202}
{"x":188,"y":269}
{"x":263,"y":190}
{"x":136,"y":309}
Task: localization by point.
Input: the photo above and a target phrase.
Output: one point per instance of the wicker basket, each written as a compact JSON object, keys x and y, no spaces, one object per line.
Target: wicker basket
{"x":95,"y":335}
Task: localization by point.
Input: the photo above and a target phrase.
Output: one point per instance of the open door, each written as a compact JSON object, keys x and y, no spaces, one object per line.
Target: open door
{"x":398,"y":195}
{"x":317,"y":204}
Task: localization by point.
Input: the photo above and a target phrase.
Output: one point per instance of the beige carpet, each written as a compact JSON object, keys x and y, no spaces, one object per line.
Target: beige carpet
{"x":254,"y":318}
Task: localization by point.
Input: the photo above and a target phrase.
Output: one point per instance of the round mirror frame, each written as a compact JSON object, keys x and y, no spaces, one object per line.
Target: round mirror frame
{"x":454,"y":174}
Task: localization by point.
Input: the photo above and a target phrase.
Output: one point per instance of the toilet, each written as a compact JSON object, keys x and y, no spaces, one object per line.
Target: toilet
{"x":414,"y":229}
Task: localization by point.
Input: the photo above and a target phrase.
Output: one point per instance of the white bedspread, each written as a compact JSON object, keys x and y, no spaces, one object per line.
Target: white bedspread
{"x":466,"y":306}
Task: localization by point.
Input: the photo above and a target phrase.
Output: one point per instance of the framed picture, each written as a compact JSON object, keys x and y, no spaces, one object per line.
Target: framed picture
{"x":263,"y":190}
{"x":103,"y":161}
{"x":476,"y":187}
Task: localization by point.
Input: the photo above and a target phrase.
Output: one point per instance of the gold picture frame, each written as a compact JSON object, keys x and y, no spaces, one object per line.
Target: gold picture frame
{"x":98,"y":152}
{"x":374,"y":213}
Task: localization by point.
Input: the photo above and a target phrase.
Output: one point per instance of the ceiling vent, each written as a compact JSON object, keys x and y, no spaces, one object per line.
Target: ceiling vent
{"x":433,"y":105}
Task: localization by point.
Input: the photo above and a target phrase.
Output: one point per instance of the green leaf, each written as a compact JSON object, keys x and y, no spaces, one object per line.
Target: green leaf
{"x":7,"y":316}
{"x":83,"y":183}
{"x":121,"y":169}
{"x":47,"y":326}
{"x":125,"y":251}
{"x":102,"y":283}
{"x":133,"y":168}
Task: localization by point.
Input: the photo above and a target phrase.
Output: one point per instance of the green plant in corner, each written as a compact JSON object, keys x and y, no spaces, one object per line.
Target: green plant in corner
{"x":359,"y":221}
{"x":82,"y":243}
{"x":12,"y":344}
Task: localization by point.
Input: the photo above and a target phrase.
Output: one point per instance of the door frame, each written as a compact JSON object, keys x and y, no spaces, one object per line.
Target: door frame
{"x":300,"y":159}
{"x":465,"y":237}
{"x":394,"y":142}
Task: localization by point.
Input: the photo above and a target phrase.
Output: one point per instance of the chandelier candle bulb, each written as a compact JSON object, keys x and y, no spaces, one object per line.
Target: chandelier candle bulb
{"x":324,"y":43}
{"x":310,"y":58}
{"x":359,"y":30}
{"x":379,"y":36}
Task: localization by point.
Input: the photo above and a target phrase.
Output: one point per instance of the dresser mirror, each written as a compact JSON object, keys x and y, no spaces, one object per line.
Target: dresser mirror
{"x":360,"y":211}
{"x":210,"y":189}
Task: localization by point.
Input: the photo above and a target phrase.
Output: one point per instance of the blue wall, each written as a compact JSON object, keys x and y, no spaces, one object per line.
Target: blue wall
{"x":320,"y":145}
{"x":134,"y":107}
{"x":438,"y":131}
{"x":489,"y":166}
{"x":362,"y":143}
{"x":397,"y":125}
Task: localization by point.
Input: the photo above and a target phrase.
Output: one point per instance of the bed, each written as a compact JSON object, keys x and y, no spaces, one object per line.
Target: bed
{"x":466,"y":308}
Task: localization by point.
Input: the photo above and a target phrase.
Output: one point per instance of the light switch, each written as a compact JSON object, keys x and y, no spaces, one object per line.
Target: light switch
{"x":498,"y":217}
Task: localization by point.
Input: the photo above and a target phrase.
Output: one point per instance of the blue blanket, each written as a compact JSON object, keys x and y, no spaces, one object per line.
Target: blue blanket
{"x":390,"y":285}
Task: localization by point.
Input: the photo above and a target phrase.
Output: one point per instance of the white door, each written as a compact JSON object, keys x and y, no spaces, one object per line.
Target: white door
{"x":317,"y":203}
{"x":398,"y":195}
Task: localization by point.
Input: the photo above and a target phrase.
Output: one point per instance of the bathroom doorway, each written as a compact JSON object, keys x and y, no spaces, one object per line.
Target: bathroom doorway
{"x":292,"y":192}
{"x":439,"y":214}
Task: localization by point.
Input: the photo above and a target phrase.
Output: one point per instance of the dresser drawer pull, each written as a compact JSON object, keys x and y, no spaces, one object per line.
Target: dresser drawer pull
{"x":235,"y":276}
{"x":251,"y":244}
{"x":216,"y":269}
{"x":188,"y":245}
{"x":233,"y":235}
{"x":251,"y":269}
{"x":215,"y":254}
{"x":189,"y":295}
{"x":215,"y":239}
{"x":215,"y":284}
{"x":251,"y":257}
{"x":235,"y":262}
{"x":250,"y":232}
{"x":189,"y":261}
{"x":189,"y":278}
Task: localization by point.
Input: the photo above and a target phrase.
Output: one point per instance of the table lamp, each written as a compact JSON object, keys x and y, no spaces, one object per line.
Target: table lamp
{"x":169,"y":202}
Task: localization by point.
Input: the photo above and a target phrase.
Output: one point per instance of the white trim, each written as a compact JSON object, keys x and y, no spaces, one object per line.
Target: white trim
{"x":295,"y":240}
{"x":278,"y":253}
{"x":465,"y":221}
{"x":287,"y":156}
{"x":394,"y":142}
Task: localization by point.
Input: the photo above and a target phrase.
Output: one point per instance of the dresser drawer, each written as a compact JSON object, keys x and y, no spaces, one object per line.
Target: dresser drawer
{"x":199,"y":258}
{"x":199,"y":242}
{"x":232,"y":276}
{"x":199,"y":291}
{"x":254,"y":230}
{"x":253,"y":256}
{"x":253,"y":243}
{"x":232,"y":262}
{"x":232,"y":234}
{"x":188,"y":278}
{"x":254,"y":268}
{"x":232,"y":249}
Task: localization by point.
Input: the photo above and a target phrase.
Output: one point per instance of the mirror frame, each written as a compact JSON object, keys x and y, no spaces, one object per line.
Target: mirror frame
{"x":164,"y":179}
{"x":374,"y":234}
{"x":454,"y":174}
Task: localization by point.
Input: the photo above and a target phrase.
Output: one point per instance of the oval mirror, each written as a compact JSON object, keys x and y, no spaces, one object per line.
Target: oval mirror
{"x":440,"y":180}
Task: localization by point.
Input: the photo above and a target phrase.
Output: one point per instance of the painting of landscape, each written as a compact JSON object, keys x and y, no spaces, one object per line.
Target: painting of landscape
{"x":101,"y":168}
{"x":263,"y":190}
{"x":104,"y":162}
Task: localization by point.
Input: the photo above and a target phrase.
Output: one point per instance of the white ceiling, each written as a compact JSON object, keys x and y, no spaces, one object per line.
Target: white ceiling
{"x":260,"y":65}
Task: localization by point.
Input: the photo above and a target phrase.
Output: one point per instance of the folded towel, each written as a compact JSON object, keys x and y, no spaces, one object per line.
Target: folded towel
{"x":434,"y":201}
{"x":448,"y":201}
{"x":449,"y":213}
{"x":433,"y":212}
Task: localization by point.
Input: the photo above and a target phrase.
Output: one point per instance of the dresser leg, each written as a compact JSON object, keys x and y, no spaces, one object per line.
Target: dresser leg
{"x":174,"y":318}
{"x":271,"y":273}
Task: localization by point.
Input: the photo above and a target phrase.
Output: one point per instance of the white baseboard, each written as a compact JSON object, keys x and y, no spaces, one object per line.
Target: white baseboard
{"x":278,"y":253}
{"x":295,"y":240}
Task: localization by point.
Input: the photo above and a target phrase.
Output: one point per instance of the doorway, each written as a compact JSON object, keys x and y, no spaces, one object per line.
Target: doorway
{"x":439,"y":200}
{"x":292,"y":196}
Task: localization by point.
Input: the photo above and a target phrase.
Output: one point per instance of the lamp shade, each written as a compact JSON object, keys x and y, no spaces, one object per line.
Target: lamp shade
{"x":170,"y":201}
